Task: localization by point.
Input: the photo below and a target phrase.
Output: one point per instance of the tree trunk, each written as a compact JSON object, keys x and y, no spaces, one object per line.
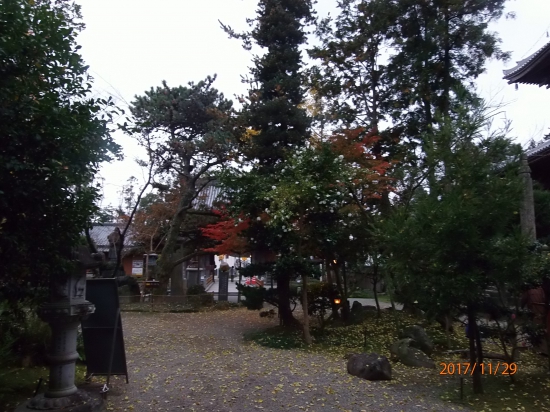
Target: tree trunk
{"x":330,"y":281}
{"x":118,"y":250}
{"x":374,"y":286}
{"x":341,"y":291}
{"x":448,"y":330}
{"x":472,"y":335}
{"x":166,"y":261}
{"x":346,"y":312}
{"x":546,"y":290}
{"x":307,"y":336}
{"x":285,"y":313}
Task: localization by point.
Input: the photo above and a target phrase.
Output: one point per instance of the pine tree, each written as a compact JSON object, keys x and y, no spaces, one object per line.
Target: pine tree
{"x":190,"y":132}
{"x":436,"y":49}
{"x":276,"y":82}
{"x":448,"y":248}
{"x":275,"y":123}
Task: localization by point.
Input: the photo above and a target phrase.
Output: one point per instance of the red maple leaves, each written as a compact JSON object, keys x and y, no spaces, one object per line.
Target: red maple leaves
{"x":228,"y":232}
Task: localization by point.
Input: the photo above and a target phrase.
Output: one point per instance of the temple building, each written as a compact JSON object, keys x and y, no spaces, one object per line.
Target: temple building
{"x":535,"y":70}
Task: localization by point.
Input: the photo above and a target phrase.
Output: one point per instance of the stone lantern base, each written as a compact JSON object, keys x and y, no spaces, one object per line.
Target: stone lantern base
{"x":81,"y":401}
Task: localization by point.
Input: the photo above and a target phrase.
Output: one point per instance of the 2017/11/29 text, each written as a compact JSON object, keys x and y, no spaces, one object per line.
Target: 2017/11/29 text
{"x":466,"y":368}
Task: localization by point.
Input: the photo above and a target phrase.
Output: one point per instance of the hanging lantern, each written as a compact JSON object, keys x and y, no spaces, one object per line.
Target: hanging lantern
{"x":153,"y":259}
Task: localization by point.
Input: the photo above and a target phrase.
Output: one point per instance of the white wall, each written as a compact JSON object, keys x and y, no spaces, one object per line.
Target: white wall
{"x":229,"y":259}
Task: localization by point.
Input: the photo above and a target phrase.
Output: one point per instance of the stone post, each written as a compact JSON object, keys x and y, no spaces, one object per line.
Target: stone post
{"x":67,"y":307}
{"x":223,"y":286}
{"x":527,"y":209}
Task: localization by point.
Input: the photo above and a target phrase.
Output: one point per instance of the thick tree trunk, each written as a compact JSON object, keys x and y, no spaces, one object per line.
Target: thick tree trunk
{"x":345,"y":308}
{"x":285,"y":313}
{"x":118,"y":249}
{"x":374,"y":286}
{"x":166,"y":262}
{"x":345,"y":302}
{"x":330,"y":281}
{"x":472,"y":336}
{"x":307,"y":336}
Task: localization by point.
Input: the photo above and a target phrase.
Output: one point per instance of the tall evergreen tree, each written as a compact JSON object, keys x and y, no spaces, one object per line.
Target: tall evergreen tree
{"x":435,"y":50}
{"x":350,"y":75}
{"x":440,"y":48}
{"x":276,"y":82}
{"x":448,"y":248}
{"x":275,"y":123}
{"x":52,"y":139}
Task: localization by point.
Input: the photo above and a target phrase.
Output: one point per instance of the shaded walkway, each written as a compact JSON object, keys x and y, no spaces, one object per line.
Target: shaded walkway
{"x":199,"y":362}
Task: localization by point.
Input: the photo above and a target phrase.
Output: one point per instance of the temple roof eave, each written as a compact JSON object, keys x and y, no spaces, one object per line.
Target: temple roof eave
{"x":527,"y":66}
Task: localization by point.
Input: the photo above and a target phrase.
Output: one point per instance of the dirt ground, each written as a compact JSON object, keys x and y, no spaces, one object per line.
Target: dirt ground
{"x":199,"y":362}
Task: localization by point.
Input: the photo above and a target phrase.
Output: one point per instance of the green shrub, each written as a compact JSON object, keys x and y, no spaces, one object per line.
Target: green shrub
{"x":253,"y":296}
{"x":207,"y":299}
{"x":34,"y":339}
{"x":22,"y":335}
{"x":196,"y":290}
{"x":197,"y":301}
{"x":320,"y":297}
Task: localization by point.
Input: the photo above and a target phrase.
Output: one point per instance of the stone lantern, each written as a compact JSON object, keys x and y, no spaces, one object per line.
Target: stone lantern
{"x":67,"y":307}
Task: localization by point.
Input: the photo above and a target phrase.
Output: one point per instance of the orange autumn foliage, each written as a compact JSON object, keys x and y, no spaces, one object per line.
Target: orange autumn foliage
{"x":356,"y":145}
{"x":227,"y":233}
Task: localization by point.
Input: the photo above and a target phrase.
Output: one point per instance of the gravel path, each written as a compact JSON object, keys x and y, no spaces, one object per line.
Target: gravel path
{"x":199,"y":362}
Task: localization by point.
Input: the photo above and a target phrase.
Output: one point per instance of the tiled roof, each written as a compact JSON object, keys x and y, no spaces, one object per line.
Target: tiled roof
{"x":207,"y":197}
{"x":205,"y":200}
{"x":541,"y":147}
{"x":99,"y":233}
{"x":514,"y":74}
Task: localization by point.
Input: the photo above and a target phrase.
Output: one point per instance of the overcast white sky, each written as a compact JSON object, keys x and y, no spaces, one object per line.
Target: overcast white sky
{"x":132,"y":45}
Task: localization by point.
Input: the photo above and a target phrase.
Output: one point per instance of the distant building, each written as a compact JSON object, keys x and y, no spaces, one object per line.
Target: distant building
{"x":199,"y":270}
{"x":132,"y":255}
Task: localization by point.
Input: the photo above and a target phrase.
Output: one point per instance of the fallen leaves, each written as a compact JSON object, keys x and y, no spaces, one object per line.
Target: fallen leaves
{"x":200,"y":362}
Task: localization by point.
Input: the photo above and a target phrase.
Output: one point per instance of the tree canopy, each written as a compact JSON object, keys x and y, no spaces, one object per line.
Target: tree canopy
{"x":53,"y":137}
{"x":188,"y":133}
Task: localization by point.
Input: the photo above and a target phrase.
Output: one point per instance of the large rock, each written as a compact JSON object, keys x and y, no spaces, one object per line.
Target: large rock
{"x":360,"y":313}
{"x":421,"y":339}
{"x":372,"y":366}
{"x":394,"y":349}
{"x":356,"y":307}
{"x":403,"y":351}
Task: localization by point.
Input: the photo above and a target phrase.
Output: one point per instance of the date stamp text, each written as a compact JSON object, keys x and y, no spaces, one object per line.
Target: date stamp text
{"x":467,"y":368}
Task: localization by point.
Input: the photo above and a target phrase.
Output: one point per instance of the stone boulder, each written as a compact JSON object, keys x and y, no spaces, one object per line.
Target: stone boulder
{"x":356,"y":307}
{"x":371,"y":366}
{"x":359,"y":313}
{"x":394,"y":350}
{"x":421,"y":339}
{"x":403,"y":351}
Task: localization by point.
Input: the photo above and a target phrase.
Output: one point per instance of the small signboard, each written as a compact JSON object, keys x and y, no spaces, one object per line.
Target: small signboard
{"x":137,"y":267}
{"x":152,"y":283}
{"x":102,"y":331}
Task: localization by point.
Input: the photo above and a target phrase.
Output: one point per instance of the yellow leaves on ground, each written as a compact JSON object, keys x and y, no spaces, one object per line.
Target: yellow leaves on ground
{"x":200,"y":362}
